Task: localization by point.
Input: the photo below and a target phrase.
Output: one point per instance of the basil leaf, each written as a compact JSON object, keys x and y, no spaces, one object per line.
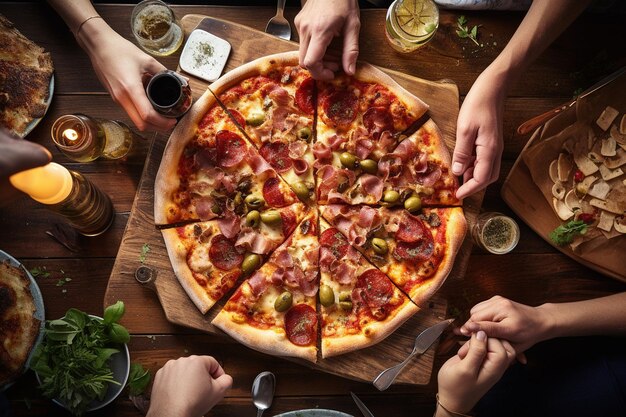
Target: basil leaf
{"x":138,"y":379}
{"x":118,"y":334}
{"x":113,"y":313}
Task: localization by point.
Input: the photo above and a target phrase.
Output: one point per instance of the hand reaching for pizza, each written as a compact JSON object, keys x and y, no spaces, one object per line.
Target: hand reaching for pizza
{"x":466,"y":377}
{"x":479,"y":141}
{"x":499,"y":317}
{"x":318,"y":23}
{"x":188,"y":387}
{"x":122,"y":68}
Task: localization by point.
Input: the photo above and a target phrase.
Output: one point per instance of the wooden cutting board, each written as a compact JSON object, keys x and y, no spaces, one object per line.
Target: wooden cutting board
{"x":363,"y":365}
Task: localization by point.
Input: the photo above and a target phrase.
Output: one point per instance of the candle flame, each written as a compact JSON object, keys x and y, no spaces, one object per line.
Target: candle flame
{"x":70,"y":134}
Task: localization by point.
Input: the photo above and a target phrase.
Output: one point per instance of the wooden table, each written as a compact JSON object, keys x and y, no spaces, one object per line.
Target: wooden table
{"x":533,"y":273}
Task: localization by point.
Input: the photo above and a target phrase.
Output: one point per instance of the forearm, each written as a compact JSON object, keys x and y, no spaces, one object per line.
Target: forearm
{"x":600,"y":316}
{"x":544,"y":22}
{"x":73,"y":12}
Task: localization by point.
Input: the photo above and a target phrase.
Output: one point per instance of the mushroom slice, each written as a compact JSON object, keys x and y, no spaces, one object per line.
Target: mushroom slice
{"x":609,"y":205}
{"x":608,"y":147}
{"x":608,"y":174}
{"x":620,"y":224}
{"x":586,"y":165}
{"x":561,"y":210}
{"x":622,"y":125}
{"x":606,"y":118}
{"x":583,"y":186}
{"x":617,"y":161}
{"x":617,"y":135}
{"x":571,"y":201}
{"x":599,"y":190}
{"x":553,"y":171}
{"x":606,"y":221}
{"x":558,"y":191}
{"x":564,"y":167}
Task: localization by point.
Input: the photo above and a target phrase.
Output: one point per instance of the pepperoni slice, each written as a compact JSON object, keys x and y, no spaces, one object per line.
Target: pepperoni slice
{"x":415,"y":251}
{"x":272,"y":193}
{"x":277,"y":154}
{"x":335,"y":241}
{"x":411,"y":229}
{"x":340,"y":107}
{"x":288,"y":218}
{"x":224,"y":254}
{"x":375,"y":288}
{"x":304,"y":96}
{"x":231,"y":148}
{"x":301,"y":325}
{"x":238,"y":117}
{"x":376,"y":120}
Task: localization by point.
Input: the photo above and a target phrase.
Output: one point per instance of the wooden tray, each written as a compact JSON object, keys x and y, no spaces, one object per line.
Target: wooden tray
{"x":363,"y":365}
{"x":527,"y":201}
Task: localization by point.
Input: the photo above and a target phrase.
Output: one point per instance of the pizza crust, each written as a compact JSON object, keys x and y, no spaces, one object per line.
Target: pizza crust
{"x":267,"y":341}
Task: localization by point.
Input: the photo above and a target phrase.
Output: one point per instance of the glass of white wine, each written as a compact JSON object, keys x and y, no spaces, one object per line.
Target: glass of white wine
{"x":156,"y":28}
{"x":410,"y":24}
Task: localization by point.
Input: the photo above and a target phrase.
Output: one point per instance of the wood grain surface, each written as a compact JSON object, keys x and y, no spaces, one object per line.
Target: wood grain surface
{"x":249,"y":44}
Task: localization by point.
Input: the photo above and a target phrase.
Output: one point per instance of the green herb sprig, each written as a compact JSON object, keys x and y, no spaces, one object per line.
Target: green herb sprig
{"x":145,"y":249}
{"x":138,"y":379}
{"x":73,"y":359}
{"x":565,"y":233}
{"x":463,"y":30}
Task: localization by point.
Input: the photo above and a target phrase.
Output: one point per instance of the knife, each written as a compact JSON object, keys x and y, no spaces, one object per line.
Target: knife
{"x":537,"y":121}
{"x":422,"y":342}
{"x":366,"y":412}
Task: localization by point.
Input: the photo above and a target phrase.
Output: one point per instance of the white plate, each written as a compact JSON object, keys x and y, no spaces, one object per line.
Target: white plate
{"x":204,"y":55}
{"x":39,"y":308}
{"x":314,"y":412}
{"x":35,"y":122}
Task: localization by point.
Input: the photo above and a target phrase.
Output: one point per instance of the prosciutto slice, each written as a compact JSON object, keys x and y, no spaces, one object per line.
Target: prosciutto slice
{"x":229,"y":224}
{"x":254,"y":241}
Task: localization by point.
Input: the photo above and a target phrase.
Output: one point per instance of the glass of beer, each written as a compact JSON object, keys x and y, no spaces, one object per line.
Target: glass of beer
{"x":156,"y":28}
{"x":495,"y":233}
{"x":410,"y":24}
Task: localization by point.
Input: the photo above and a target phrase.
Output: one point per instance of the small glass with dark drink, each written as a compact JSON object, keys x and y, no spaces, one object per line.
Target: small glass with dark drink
{"x":169,"y":93}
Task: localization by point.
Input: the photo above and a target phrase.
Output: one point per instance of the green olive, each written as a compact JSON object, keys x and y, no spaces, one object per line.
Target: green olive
{"x":345,"y":296}
{"x":238,"y":200}
{"x":255,"y":119}
{"x":301,"y":190}
{"x":283,"y":302}
{"x":253,"y":218}
{"x":304,"y":134}
{"x":250,"y":263}
{"x":391,"y":196}
{"x":379,"y":246}
{"x":345,"y":305}
{"x":413,"y":204}
{"x":348,"y":160}
{"x":215,"y":208}
{"x":327,"y":296}
{"x":254,"y":201}
{"x":369,"y":165}
{"x":271,"y":217}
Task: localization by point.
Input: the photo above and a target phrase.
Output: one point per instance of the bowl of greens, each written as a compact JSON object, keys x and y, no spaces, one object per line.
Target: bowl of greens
{"x":83,"y":362}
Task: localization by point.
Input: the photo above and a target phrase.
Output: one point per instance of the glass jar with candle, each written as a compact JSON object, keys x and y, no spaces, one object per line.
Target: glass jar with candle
{"x":84,"y":139}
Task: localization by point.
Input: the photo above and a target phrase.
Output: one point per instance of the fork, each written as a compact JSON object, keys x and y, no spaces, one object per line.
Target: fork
{"x":278,"y":25}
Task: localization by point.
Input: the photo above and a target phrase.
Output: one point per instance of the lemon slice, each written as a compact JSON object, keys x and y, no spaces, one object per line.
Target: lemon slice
{"x":417,"y":18}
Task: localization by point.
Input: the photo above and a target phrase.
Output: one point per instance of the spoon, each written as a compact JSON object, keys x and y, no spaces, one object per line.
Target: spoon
{"x":263,"y":391}
{"x":278,"y":25}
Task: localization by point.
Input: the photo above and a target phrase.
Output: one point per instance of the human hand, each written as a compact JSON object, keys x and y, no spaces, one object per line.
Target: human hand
{"x":318,"y":23}
{"x":123,"y":68}
{"x":479,"y":143}
{"x":502,"y":318}
{"x":188,"y":387}
{"x":464,"y":379}
{"x":19,"y":155}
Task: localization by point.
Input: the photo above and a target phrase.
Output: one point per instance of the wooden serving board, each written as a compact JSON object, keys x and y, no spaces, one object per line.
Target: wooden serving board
{"x":363,"y":365}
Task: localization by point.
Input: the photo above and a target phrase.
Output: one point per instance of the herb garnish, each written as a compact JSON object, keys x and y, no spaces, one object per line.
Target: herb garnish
{"x":39,"y":271}
{"x":463,"y":30}
{"x":138,"y":379}
{"x":72,"y":361}
{"x":144,"y":252}
{"x":565,"y":233}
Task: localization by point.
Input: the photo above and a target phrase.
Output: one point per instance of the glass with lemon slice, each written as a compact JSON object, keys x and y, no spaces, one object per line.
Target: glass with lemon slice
{"x":411,"y":24}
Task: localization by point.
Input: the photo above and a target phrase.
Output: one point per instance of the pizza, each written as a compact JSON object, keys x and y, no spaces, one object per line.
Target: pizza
{"x":18,"y":326}
{"x":275,"y":192}
{"x":25,"y":76}
{"x":275,"y":309}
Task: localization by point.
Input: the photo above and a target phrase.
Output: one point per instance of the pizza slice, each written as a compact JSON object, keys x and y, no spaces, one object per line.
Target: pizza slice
{"x":359,"y":119}
{"x":272,"y":100}
{"x":417,"y":252}
{"x":274,"y":311}
{"x":210,"y":171}
{"x":209,"y":257}
{"x":360,"y":306}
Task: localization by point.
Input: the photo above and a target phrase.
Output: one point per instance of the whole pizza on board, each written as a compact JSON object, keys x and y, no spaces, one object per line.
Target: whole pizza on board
{"x":326,"y":211}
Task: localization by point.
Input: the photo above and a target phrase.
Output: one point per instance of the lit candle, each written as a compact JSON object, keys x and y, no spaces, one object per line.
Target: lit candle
{"x":72,"y":136}
{"x":70,"y":194}
{"x":49,"y":184}
{"x":79,"y":137}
